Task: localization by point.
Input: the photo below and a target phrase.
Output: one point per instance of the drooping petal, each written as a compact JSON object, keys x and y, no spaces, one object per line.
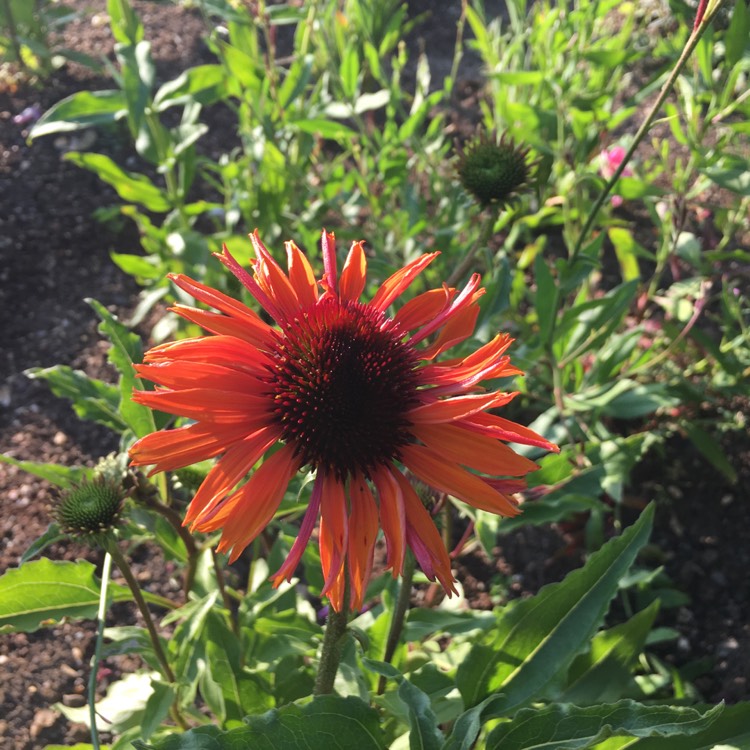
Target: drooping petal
{"x":286,"y":571}
{"x":352,"y":281}
{"x":245,"y":513}
{"x":392,"y":517}
{"x":228,"y":471}
{"x":457,"y":329}
{"x":449,"y":477}
{"x":334,"y":520}
{"x":424,"y":539}
{"x":363,"y":532}
{"x":471,"y":449}
{"x":396,"y":284}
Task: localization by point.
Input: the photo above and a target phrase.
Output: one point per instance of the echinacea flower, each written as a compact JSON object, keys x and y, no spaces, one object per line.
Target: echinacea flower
{"x":346,"y":390}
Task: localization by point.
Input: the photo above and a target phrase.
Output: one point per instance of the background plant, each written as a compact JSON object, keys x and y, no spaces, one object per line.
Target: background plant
{"x":615,"y":331}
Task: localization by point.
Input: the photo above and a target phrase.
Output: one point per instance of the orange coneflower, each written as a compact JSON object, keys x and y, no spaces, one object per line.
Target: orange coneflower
{"x":343,"y":388}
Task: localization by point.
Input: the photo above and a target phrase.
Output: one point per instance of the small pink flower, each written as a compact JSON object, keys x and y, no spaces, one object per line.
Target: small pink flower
{"x":609,"y":161}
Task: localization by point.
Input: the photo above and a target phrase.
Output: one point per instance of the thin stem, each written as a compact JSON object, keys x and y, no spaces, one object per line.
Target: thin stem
{"x":100,"y":616}
{"x":333,"y":642}
{"x":122,"y":564}
{"x":221,"y":583}
{"x":399,"y":614}
{"x":482,"y":241}
{"x":646,"y":125}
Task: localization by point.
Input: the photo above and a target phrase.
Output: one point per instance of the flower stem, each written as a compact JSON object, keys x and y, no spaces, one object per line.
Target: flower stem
{"x":701,"y":25}
{"x":399,"y":614}
{"x":101,"y":616}
{"x":468,"y":260}
{"x":122,"y":564}
{"x":333,"y":642}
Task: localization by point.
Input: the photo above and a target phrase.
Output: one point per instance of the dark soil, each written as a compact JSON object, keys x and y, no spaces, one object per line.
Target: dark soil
{"x":53,"y":255}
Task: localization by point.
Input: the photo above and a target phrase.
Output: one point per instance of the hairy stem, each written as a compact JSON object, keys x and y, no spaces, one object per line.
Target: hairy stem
{"x":333,"y":642}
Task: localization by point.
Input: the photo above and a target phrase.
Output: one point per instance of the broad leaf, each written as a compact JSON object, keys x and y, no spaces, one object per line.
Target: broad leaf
{"x":569,"y":727}
{"x":536,"y":640}
{"x":81,"y":110}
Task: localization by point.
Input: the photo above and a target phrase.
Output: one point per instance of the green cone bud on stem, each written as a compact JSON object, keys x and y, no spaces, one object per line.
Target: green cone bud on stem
{"x":90,"y":509}
{"x":493,"y":171}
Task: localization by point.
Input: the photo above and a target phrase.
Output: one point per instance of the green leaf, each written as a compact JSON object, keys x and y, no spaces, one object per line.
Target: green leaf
{"x":544,"y":299}
{"x":157,"y":707}
{"x":567,"y":727}
{"x":205,"y":84}
{"x":83,"y":109}
{"x":594,"y":677}
{"x":625,"y":250}
{"x":737,"y":34}
{"x":125,"y":352}
{"x":52,"y":535}
{"x":60,"y":476}
{"x":711,"y":450}
{"x":536,"y":640}
{"x":43,"y":592}
{"x":93,"y":399}
{"x":327,"y":723}
{"x":335,"y":131}
{"x":423,"y":729}
{"x":732,"y":173}
{"x":131,"y":187}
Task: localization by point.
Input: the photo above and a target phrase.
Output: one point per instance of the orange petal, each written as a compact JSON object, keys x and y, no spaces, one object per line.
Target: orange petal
{"x":354,"y":273}
{"x":363,"y":531}
{"x":301,"y":275}
{"x":333,"y":517}
{"x":221,"y":302}
{"x":457,"y":329}
{"x":244,"y":514}
{"x":504,"y":429}
{"x":174,"y":449}
{"x":221,"y":350}
{"x":417,"y":311}
{"x":228,"y":471}
{"x":459,"y":407}
{"x":222,"y":324}
{"x":448,"y":477}
{"x":396,"y":284}
{"x":179,"y":375}
{"x":328,"y":246}
{"x":471,"y":449}
{"x":210,"y":405}
{"x":277,"y":285}
{"x":392,"y":517}
{"x":424,"y":539}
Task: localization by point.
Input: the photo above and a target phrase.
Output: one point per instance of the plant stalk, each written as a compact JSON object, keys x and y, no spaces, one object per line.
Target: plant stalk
{"x":125,"y":569}
{"x":333,"y":642}
{"x":95,"y":659}
{"x":399,"y":614}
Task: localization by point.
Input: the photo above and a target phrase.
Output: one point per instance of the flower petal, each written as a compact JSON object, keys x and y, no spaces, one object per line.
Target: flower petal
{"x":396,"y":284}
{"x":448,"y":477}
{"x":363,"y":532}
{"x":392,"y":517}
{"x":301,"y":275}
{"x":352,"y":282}
{"x":227,"y":472}
{"x":460,"y":407}
{"x":504,"y":429}
{"x":334,"y":530}
{"x":471,"y":449}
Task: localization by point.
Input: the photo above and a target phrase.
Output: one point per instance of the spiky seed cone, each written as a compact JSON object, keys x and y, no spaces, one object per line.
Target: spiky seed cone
{"x":493,"y":171}
{"x":91,"y":509}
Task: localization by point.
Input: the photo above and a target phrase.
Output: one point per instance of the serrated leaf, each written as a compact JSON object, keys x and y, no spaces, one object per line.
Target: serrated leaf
{"x":43,"y":592}
{"x":569,"y":727}
{"x":536,"y":640}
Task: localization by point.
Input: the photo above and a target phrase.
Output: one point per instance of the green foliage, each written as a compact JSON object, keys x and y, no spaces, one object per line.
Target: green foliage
{"x":625,"y":335}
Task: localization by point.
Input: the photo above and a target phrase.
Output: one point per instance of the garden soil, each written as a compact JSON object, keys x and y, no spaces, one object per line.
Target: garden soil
{"x":54,"y":255}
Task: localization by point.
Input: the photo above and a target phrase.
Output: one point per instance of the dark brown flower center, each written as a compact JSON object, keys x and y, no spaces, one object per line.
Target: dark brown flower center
{"x":342,"y":383}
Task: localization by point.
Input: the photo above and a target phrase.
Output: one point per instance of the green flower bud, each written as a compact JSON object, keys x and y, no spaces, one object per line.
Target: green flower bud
{"x":91,"y":509}
{"x":493,"y":171}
